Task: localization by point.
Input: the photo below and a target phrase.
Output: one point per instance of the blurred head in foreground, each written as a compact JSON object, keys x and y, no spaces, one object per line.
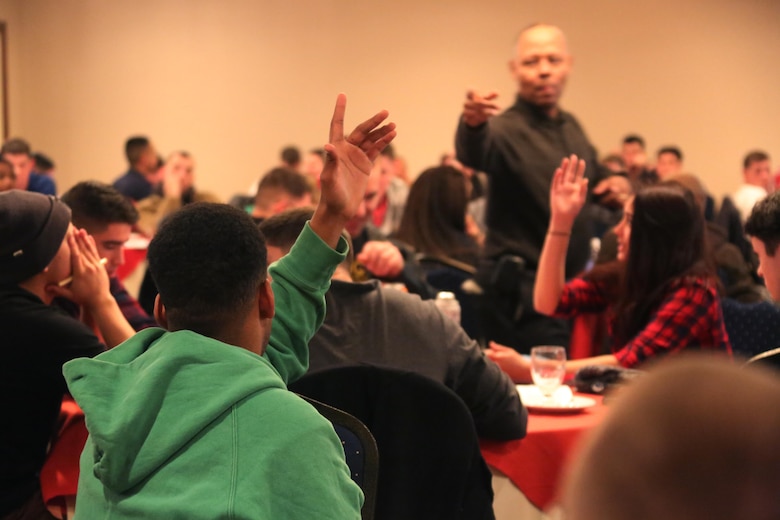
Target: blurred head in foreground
{"x":694,"y":439}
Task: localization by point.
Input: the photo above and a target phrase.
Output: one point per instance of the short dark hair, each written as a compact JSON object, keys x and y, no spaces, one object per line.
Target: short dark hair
{"x":208,"y":262}
{"x":134,"y":148}
{"x":16,"y":146}
{"x":764,"y":222}
{"x":291,"y":155}
{"x":616,"y":159}
{"x":282,"y":230}
{"x":95,"y":205}
{"x":754,"y":157}
{"x":282,"y":180}
{"x":42,"y":162}
{"x":672,"y":150}
{"x":634,"y":138}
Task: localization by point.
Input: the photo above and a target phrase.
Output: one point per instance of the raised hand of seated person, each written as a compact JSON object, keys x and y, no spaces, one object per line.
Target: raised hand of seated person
{"x":349,"y":159}
{"x":568,"y":193}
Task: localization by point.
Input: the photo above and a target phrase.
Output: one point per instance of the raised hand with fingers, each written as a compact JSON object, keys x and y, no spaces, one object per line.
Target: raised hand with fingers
{"x":349,"y":159}
{"x":477,"y":109}
{"x":347,"y":167}
{"x":568,"y":193}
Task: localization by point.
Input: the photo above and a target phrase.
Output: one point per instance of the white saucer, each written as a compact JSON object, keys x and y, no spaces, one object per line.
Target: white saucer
{"x":535,"y":401}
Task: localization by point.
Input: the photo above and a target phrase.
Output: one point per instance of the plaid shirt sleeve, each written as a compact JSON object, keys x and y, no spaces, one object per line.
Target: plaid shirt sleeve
{"x":690,"y":316}
{"x":131,"y":309}
{"x":581,"y":296}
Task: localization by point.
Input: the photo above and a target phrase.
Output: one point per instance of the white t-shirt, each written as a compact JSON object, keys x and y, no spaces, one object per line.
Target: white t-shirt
{"x":746,"y":197}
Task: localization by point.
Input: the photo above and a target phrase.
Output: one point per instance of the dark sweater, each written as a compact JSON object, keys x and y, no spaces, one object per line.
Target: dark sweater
{"x":37,"y":339}
{"x":367,"y":324}
{"x":520,"y":150}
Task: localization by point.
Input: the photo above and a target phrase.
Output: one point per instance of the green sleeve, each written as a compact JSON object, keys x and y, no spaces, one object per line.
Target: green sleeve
{"x":303,"y":477}
{"x":299,"y":282}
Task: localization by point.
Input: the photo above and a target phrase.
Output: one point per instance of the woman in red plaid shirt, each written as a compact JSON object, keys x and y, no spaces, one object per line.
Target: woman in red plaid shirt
{"x":661,"y":291}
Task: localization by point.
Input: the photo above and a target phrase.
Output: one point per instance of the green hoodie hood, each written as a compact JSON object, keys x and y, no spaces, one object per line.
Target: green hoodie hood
{"x":134,"y":404}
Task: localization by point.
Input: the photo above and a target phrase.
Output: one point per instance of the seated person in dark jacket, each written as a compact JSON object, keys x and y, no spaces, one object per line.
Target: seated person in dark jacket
{"x":39,"y":251}
{"x":365,"y":323}
{"x":763,"y":228}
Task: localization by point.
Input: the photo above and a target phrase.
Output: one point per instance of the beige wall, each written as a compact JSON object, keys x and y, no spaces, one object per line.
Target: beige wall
{"x":233,"y":81}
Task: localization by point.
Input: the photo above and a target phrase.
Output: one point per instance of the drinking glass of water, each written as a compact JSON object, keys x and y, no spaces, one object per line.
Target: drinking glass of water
{"x":548,"y":368}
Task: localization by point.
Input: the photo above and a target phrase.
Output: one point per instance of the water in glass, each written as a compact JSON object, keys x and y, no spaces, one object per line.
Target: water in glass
{"x":548,"y":368}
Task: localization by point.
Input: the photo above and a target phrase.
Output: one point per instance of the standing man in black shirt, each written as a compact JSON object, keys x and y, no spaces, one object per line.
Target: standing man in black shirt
{"x":520,"y":149}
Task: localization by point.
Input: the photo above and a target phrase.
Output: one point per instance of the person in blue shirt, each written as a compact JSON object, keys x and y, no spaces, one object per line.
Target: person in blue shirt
{"x":17,"y":152}
{"x":139,"y":180}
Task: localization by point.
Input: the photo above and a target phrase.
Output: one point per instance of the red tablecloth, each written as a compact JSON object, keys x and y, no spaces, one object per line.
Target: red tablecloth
{"x":535,"y":464}
{"x":60,"y":473}
{"x":133,"y":257}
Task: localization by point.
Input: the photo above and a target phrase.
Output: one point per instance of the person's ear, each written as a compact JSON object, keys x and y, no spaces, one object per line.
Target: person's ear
{"x":159,"y":313}
{"x":265,"y":300}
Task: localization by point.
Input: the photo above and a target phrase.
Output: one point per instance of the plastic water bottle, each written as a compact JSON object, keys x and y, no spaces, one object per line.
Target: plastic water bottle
{"x":448,"y":305}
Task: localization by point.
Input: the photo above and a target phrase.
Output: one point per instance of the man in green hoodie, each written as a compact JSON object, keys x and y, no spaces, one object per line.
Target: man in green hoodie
{"x":195,"y":421}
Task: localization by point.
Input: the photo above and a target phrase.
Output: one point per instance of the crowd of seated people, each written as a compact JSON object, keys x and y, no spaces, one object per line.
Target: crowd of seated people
{"x":682,"y":293}
{"x":660,"y":277}
{"x":215,"y":308}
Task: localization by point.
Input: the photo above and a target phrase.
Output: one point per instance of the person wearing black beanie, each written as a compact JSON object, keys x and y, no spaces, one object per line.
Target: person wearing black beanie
{"x":43,"y":256}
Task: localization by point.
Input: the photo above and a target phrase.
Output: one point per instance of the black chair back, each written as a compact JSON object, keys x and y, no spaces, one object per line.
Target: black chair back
{"x":360,"y":451}
{"x":431,"y":466}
